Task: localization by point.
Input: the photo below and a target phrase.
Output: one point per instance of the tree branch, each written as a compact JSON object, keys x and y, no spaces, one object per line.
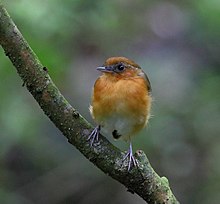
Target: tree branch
{"x":142,"y":180}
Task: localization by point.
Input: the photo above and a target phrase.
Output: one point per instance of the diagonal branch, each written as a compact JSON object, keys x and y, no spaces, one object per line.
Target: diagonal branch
{"x":142,"y":180}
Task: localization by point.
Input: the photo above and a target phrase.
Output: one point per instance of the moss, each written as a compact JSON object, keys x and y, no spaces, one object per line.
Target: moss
{"x":142,"y":180}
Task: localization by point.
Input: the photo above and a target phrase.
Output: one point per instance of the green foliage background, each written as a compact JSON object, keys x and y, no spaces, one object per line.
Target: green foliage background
{"x":177,"y":43}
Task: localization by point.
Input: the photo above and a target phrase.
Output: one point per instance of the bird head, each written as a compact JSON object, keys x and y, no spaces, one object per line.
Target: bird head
{"x":120,"y":67}
{"x":117,"y":68}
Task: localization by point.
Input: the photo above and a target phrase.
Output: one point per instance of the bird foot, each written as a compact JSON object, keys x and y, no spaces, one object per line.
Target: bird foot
{"x":94,"y":136}
{"x":131,"y":158}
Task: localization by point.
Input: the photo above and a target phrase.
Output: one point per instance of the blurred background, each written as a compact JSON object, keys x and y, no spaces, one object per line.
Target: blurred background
{"x":177,"y":43}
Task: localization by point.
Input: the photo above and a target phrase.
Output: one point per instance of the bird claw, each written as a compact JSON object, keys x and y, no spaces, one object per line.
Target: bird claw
{"x":94,"y":136}
{"x":131,"y":158}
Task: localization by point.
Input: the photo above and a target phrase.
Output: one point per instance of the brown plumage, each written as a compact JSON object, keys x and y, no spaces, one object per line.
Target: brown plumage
{"x":121,"y":100}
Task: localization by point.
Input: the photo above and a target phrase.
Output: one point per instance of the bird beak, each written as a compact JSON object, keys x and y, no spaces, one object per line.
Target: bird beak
{"x":105,"y":69}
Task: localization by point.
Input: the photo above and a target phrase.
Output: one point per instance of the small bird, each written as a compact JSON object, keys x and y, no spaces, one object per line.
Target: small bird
{"x":121,"y":101}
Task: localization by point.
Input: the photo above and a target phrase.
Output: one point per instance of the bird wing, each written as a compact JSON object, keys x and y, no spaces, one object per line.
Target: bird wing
{"x":148,"y":82}
{"x":145,"y":77}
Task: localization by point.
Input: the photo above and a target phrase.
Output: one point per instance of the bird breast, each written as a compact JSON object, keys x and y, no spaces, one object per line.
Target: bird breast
{"x":121,"y":105}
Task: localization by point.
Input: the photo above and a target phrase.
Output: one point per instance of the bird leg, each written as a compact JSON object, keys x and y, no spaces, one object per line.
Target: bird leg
{"x":94,"y":136}
{"x":131,"y":158}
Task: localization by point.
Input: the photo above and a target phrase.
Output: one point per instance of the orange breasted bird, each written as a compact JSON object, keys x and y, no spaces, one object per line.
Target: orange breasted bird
{"x":121,"y":101}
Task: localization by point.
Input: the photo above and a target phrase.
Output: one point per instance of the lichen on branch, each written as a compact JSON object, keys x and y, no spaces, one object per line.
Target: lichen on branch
{"x":142,"y":180}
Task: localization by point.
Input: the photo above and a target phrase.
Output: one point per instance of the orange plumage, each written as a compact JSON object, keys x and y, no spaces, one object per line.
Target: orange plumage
{"x":121,"y":100}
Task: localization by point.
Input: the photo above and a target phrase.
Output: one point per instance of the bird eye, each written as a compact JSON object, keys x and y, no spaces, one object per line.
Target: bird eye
{"x":120,"y":68}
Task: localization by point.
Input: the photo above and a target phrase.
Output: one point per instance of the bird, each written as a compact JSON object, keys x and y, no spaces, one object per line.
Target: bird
{"x":120,"y":102}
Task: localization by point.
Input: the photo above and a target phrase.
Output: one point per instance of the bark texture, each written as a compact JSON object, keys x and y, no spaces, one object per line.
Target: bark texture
{"x":142,"y":180}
